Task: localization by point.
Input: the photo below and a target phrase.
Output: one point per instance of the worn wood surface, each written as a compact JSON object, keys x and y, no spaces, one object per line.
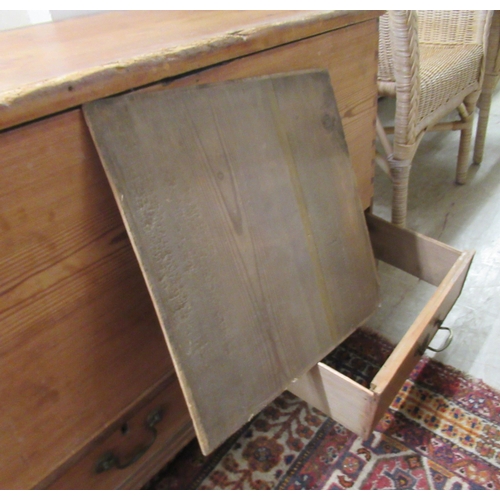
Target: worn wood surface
{"x":54,"y":66}
{"x":79,"y":340}
{"x":350,"y":56}
{"x":242,"y":208}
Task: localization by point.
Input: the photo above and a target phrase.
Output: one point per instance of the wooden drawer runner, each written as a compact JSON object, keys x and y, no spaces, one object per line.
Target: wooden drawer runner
{"x":354,"y":406}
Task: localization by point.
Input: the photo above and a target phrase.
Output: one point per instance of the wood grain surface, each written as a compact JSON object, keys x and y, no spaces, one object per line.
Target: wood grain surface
{"x":54,"y":66}
{"x":80,"y":343}
{"x":242,"y":208}
{"x":350,"y":56}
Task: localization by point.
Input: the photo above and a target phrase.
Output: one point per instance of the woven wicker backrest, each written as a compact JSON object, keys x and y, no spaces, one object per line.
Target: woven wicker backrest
{"x":451,"y":26}
{"x":433,"y":27}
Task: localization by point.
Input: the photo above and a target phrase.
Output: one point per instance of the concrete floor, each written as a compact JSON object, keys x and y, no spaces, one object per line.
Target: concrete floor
{"x":466,"y":217}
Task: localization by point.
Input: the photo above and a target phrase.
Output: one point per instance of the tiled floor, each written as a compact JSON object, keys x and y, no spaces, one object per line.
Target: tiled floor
{"x":466,"y":217}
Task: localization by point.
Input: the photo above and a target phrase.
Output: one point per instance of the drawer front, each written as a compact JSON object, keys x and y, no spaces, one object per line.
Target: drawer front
{"x":138,"y":446}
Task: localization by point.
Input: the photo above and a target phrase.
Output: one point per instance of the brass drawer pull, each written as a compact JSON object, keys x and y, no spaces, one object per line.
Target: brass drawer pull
{"x":110,"y":460}
{"x":428,"y":339}
{"x":446,"y":343}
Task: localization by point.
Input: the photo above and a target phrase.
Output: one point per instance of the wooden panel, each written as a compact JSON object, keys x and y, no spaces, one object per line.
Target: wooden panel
{"x":336,"y":395}
{"x":54,"y":66}
{"x":130,"y":436}
{"x":350,"y":55}
{"x":79,"y":337}
{"x":414,"y":253}
{"x":242,"y":208}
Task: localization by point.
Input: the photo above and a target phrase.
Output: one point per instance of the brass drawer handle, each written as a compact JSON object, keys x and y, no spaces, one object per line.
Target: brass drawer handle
{"x":428,"y":339}
{"x":446,"y":343}
{"x":110,"y":460}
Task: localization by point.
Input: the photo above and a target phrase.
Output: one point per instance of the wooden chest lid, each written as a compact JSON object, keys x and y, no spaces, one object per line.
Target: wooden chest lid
{"x":242,"y":208}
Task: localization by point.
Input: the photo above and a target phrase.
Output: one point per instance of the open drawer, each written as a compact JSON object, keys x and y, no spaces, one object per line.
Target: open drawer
{"x":354,"y":406}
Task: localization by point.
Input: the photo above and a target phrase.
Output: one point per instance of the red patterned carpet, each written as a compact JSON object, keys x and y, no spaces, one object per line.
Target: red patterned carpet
{"x":441,"y":432}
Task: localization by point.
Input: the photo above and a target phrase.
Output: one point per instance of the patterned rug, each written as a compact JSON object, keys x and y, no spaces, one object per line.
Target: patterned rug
{"x":441,"y":432}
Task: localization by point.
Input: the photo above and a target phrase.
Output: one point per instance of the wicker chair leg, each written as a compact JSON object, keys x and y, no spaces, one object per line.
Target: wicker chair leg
{"x":400,"y":182}
{"x":464,"y":154}
{"x":484,"y":105}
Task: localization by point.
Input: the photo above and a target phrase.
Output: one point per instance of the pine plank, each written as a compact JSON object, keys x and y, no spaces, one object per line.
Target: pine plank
{"x":241,"y":206}
{"x":80,"y":343}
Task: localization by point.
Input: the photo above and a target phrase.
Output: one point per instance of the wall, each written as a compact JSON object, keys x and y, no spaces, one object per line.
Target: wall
{"x":11,"y":19}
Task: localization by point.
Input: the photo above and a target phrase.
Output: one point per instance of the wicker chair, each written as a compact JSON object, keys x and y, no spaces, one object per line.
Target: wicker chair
{"x":431,"y":62}
{"x":491,"y":77}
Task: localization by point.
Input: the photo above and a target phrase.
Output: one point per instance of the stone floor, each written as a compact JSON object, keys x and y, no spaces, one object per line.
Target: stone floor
{"x":466,"y":217}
